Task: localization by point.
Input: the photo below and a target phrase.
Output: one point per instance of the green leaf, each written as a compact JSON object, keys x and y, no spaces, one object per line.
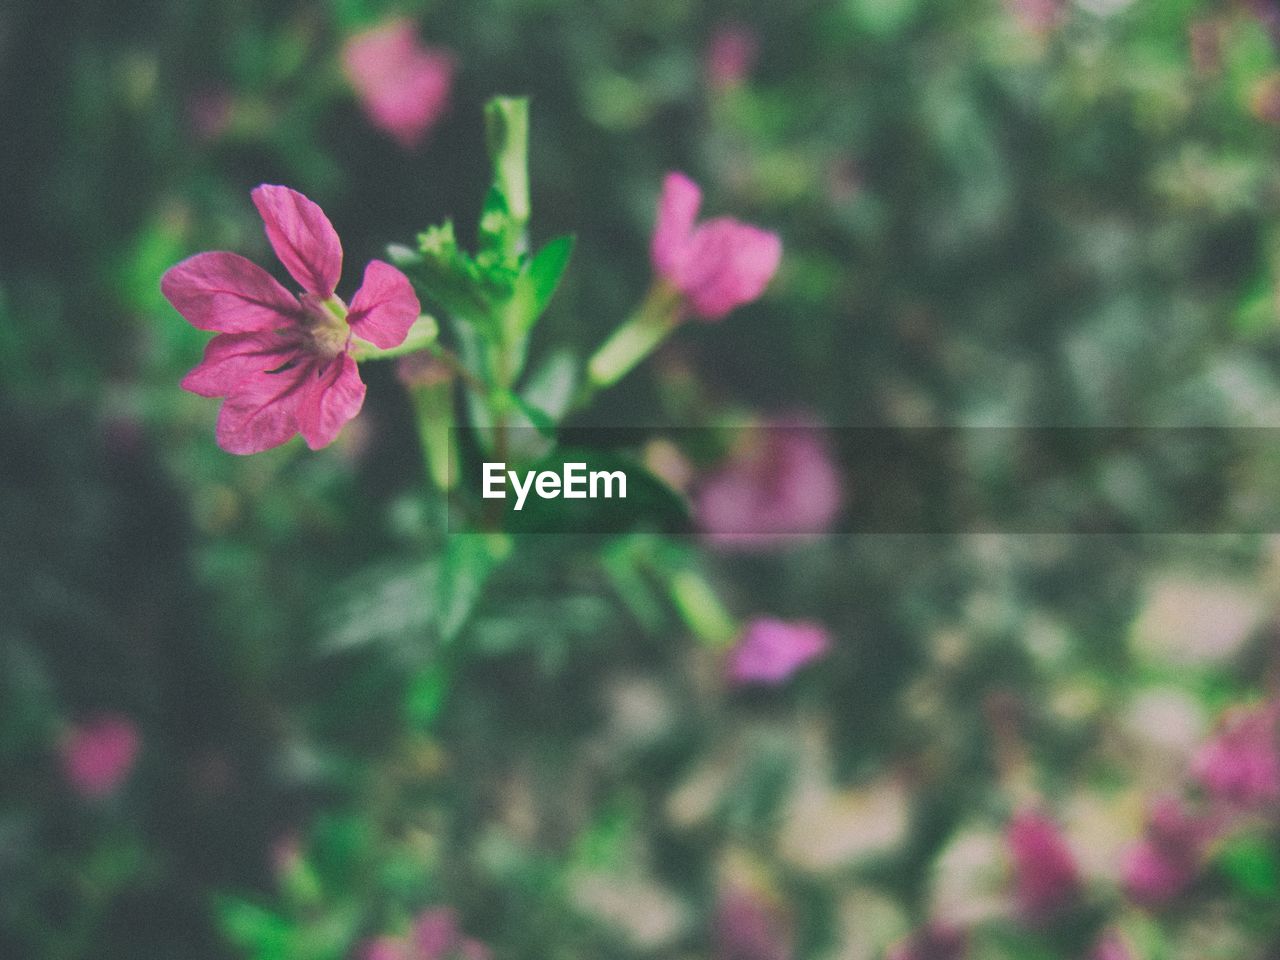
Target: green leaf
{"x":263,"y":933}
{"x":448,"y":276}
{"x":540,"y":277}
{"x":541,"y":420}
{"x":469,"y":560}
{"x":1252,"y":865}
{"x":426,"y":695}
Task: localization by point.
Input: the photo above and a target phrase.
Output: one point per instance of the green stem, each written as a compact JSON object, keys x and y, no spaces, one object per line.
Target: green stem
{"x":433,"y":406}
{"x":701,"y":609}
{"x":639,"y":336}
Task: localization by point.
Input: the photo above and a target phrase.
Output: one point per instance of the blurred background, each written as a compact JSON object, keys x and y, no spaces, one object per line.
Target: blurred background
{"x":266,"y":707}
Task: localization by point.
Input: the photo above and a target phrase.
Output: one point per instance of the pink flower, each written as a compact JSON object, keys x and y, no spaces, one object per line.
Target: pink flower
{"x":1045,"y":875}
{"x":385,"y":948}
{"x":747,"y":928}
{"x":435,"y":936}
{"x":98,"y":755}
{"x":1162,"y":865}
{"x":402,"y":85}
{"x":780,"y":485}
{"x":770,"y":651}
{"x":716,"y":266}
{"x":730,"y":55}
{"x":1111,"y":947}
{"x":1241,"y":764}
{"x":937,"y":941}
{"x":283,"y":362}
{"x":210,"y":113}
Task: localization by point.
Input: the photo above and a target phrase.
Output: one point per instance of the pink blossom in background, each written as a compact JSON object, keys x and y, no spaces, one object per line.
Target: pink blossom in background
{"x":385,"y":948}
{"x":937,"y":941}
{"x":1111,"y":947}
{"x":717,"y":265}
{"x":1045,"y":875}
{"x":436,"y":935}
{"x":747,"y":928}
{"x":210,"y":113}
{"x":284,"y":362}
{"x":403,"y":85}
{"x":1164,"y":863}
{"x":730,"y":55}
{"x":98,"y":755}
{"x":769,"y":651}
{"x":781,"y":485}
{"x":1038,"y":16}
{"x":1241,"y":764}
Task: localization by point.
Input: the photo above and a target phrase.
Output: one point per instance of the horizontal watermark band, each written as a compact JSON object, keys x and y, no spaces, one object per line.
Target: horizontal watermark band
{"x":761,"y":482}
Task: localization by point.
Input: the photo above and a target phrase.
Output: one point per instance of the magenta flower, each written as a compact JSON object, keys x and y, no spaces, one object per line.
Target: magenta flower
{"x":747,"y":928}
{"x":282,"y":362}
{"x":1045,"y":876}
{"x":1240,"y":766}
{"x":97,"y":756}
{"x":730,"y":55}
{"x":937,"y":941}
{"x":780,"y":484}
{"x":1165,"y":862}
{"x":769,"y":651}
{"x":402,"y":85}
{"x":1111,"y":947}
{"x":717,"y":265}
{"x":436,"y":935}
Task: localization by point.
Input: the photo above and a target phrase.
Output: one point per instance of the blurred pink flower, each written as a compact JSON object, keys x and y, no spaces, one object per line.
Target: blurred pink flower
{"x":1046,"y":878}
{"x":1111,"y":947}
{"x":282,"y":362}
{"x":210,"y":113}
{"x":385,"y":948}
{"x":1241,"y":764}
{"x":730,"y":55}
{"x":717,"y":265}
{"x":769,"y":651}
{"x":435,"y":936}
{"x":98,"y":755}
{"x":402,"y":85}
{"x":1162,"y":865}
{"x":782,"y":484}
{"x":747,"y":928}
{"x":1037,"y":16}
{"x":937,"y":941}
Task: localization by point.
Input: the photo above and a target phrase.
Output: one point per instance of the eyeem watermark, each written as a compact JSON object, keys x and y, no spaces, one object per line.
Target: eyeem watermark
{"x":573,"y":482}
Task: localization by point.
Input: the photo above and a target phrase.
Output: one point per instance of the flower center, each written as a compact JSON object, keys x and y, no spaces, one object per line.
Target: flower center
{"x":326,"y":326}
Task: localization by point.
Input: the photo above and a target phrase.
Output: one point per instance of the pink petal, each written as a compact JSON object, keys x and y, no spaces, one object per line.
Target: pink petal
{"x":727,"y":264}
{"x":262,"y":412}
{"x":385,"y":306}
{"x":231,"y":358}
{"x":771,"y":650}
{"x":333,"y":395}
{"x":227,"y":293}
{"x":677,"y":209}
{"x":302,"y":237}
